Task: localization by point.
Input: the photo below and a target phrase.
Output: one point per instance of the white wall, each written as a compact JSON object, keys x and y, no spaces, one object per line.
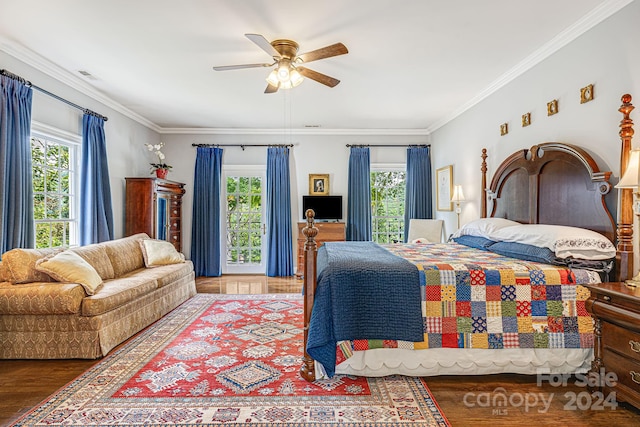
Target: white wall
{"x":311,"y":154}
{"x":607,"y":56}
{"x":125,"y":137}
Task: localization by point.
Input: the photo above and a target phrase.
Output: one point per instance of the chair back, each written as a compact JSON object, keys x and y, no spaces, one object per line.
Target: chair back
{"x":430,"y":229}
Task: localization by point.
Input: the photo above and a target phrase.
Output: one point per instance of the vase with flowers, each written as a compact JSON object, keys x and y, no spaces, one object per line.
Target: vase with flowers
{"x":160,"y":168}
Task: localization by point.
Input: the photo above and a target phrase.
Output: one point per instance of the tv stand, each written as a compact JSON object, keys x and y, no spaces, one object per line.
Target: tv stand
{"x":327,"y":232}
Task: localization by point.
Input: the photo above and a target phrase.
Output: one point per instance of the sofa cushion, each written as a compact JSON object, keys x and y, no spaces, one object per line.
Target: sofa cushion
{"x":70,"y":267}
{"x":167,"y":274}
{"x":117,"y":292}
{"x":21,"y":264}
{"x":96,"y":255}
{"x":41,"y":298}
{"x":125,"y":254}
{"x":159,"y":252}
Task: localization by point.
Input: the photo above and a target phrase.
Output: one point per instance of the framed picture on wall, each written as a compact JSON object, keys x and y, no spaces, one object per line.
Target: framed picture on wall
{"x":444,"y":188}
{"x":319,"y":184}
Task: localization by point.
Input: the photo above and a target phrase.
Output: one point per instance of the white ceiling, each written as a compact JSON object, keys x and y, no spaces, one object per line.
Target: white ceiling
{"x":412,"y":64}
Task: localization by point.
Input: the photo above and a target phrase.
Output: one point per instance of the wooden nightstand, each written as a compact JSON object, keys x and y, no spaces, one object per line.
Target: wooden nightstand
{"x":327,"y":232}
{"x":615,"y":308}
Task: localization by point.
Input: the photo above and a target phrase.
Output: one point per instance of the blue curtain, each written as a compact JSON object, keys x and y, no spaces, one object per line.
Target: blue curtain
{"x":279,"y":234}
{"x":96,"y":212}
{"x":359,"y":200}
{"x":417,"y":201}
{"x":205,"y":230}
{"x":16,"y":187}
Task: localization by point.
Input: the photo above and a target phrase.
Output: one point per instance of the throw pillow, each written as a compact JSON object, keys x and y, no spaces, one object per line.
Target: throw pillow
{"x":159,"y":252}
{"x":483,"y":227}
{"x":21,"y":264}
{"x":69,"y":267}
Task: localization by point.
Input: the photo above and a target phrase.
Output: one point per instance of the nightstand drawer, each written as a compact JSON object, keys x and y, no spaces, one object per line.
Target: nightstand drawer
{"x":621,"y":340}
{"x":628,"y":371}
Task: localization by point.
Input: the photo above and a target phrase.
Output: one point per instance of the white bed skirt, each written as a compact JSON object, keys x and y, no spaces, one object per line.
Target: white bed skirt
{"x":463,"y":361}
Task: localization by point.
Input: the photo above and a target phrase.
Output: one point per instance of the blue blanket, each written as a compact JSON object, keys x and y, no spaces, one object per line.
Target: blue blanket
{"x":363,"y":292}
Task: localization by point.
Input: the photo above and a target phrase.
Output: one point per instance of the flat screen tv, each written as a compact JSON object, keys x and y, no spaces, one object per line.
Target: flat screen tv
{"x":327,"y":208}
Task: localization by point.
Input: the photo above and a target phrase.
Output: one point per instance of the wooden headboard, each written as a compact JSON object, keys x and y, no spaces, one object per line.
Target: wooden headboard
{"x":561,"y":184}
{"x":552,"y":183}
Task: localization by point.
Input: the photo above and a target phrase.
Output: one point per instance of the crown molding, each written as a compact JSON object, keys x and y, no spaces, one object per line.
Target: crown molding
{"x":54,"y":71}
{"x":283,"y":131}
{"x":590,"y":20}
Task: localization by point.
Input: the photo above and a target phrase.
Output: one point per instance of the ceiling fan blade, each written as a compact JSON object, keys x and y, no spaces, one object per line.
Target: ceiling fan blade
{"x":325,"y":52}
{"x":319,"y":77}
{"x":238,"y":67}
{"x":271,"y":88}
{"x":263,"y":44}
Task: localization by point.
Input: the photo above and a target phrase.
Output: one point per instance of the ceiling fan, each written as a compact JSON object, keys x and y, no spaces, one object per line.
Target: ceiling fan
{"x":288,"y":72}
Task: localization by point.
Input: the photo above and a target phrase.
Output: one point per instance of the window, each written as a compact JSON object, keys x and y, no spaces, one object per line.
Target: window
{"x":244,"y":219}
{"x":55,"y":191}
{"x":387,"y":205}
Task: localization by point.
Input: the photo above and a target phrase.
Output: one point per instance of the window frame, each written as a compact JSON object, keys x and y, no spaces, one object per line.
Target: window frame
{"x":74,"y":143}
{"x":388,"y":167}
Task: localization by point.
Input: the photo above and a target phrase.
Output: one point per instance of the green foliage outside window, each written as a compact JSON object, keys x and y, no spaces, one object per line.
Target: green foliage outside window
{"x":387,"y":206}
{"x":244,"y":220}
{"x":52,"y":193}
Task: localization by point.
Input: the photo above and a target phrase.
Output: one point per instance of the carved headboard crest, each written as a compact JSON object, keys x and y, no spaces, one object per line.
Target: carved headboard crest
{"x":553,"y":183}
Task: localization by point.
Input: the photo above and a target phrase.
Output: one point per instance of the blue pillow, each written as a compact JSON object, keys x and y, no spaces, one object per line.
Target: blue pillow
{"x":526,"y":252}
{"x":474,"y":242}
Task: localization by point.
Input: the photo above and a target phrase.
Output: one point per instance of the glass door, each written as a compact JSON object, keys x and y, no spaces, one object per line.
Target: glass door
{"x":244,"y":248}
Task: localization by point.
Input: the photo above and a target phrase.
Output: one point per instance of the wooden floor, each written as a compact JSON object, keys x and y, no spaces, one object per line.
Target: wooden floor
{"x":465,"y":401}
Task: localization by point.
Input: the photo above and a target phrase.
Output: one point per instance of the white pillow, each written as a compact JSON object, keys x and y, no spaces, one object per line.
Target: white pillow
{"x":159,"y":252}
{"x":70,"y":267}
{"x":483,"y":227}
{"x":420,"y":240}
{"x":565,"y":241}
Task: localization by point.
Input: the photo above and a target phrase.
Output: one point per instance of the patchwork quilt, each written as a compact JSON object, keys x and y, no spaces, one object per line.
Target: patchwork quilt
{"x":477,"y":299}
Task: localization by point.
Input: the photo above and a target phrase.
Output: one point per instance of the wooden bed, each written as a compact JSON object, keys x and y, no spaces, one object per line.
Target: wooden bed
{"x":532,"y":186}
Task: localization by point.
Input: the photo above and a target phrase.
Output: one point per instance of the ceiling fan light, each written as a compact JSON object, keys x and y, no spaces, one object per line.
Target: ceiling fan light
{"x":295,"y":77}
{"x":283,"y":73}
{"x":272,"y":79}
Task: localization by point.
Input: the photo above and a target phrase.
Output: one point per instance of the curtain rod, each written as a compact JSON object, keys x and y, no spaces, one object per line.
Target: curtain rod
{"x":242,"y":145}
{"x":388,"y":145}
{"x":53,"y":95}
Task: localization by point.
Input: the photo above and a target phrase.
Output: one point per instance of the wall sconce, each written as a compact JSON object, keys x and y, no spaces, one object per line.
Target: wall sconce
{"x":458,"y":196}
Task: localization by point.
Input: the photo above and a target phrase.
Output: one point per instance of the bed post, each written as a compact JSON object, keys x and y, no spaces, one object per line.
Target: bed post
{"x":624,"y":246}
{"x":483,"y":169}
{"x":307,"y":371}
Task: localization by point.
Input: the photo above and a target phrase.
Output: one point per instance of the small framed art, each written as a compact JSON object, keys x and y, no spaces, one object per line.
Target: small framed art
{"x":319,"y":184}
{"x":586,"y":94}
{"x":552,"y":107}
{"x":504,"y":129}
{"x":526,"y":119}
{"x":444,"y":189}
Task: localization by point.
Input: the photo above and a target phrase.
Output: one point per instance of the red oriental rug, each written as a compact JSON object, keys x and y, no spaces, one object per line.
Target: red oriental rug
{"x":229,"y":359}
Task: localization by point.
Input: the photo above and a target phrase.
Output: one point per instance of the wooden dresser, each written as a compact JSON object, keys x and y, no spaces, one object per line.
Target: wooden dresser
{"x":154,"y":206}
{"x":615,"y":308}
{"x":327,"y":232}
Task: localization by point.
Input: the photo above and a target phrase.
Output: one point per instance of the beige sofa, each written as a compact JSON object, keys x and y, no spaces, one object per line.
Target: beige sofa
{"x":41,"y":318}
